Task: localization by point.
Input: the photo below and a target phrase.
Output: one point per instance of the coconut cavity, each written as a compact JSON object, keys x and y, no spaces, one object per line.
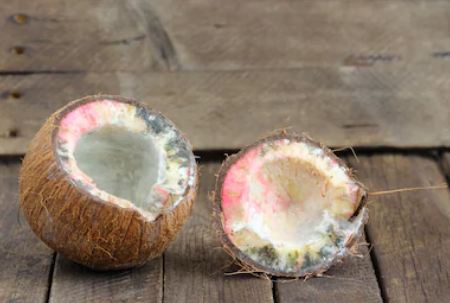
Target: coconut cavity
{"x":125,"y":154}
{"x":287,"y":206}
{"x":120,"y":162}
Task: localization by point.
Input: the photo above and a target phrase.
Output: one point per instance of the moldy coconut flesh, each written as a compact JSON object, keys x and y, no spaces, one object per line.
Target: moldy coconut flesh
{"x":107,"y":182}
{"x":288,"y":207}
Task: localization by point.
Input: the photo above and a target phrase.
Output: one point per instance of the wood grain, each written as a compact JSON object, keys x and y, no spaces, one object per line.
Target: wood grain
{"x":255,"y":34}
{"x":410,"y":231}
{"x":226,"y":110}
{"x":139,"y":35}
{"x":82,"y":35}
{"x":75,"y":283}
{"x":25,"y":261}
{"x":195,"y":262}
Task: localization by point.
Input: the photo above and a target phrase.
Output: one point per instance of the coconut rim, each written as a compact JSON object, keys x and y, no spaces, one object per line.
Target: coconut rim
{"x":61,"y":113}
{"x":245,"y":260}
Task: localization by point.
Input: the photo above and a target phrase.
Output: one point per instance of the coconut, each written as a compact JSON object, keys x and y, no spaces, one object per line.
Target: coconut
{"x":107,"y":182}
{"x":287,"y":206}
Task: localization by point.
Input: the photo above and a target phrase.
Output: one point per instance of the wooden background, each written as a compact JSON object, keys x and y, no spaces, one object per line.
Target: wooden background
{"x":371,"y":74}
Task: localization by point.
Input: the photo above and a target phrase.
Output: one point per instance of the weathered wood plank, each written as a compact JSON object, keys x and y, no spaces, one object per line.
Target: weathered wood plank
{"x":222,"y":110}
{"x":353,"y":280}
{"x":410,"y":231}
{"x":194,"y":264}
{"x":140,"y":34}
{"x":82,"y":35}
{"x":230,"y":35}
{"x":75,"y":283}
{"x":25,"y":261}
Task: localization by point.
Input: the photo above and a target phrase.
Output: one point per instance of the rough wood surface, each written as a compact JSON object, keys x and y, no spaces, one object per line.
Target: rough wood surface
{"x":141,"y":35}
{"x":258,"y":34}
{"x":75,"y":283}
{"x":410,"y":231}
{"x":53,"y":35}
{"x":224,"y":110}
{"x":25,"y":262}
{"x":194,"y":264}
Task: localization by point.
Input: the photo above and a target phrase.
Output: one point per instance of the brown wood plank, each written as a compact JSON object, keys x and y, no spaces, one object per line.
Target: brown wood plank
{"x":410,"y":231}
{"x":75,"y":283}
{"x":140,"y":34}
{"x":194,"y":264}
{"x":223,"y":110}
{"x":25,"y":261}
{"x":53,"y":35}
{"x":229,"y":35}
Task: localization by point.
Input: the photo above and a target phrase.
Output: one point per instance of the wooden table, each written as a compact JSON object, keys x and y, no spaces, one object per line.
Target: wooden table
{"x":371,"y":74}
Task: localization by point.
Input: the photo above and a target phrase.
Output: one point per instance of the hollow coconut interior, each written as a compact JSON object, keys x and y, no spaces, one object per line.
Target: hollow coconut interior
{"x":289,"y":206}
{"x":125,"y":154}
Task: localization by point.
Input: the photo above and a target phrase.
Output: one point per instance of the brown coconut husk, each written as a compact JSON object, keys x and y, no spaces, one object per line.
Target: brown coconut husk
{"x":247,"y":265}
{"x":83,"y":228}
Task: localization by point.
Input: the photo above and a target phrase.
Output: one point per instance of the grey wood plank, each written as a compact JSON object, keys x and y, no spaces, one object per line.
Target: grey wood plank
{"x":76,"y":283}
{"x":195,"y":262}
{"x":212,"y":35}
{"x":53,"y":35}
{"x":225,"y":110}
{"x":410,"y":231}
{"x":25,"y":261}
{"x":258,"y":34}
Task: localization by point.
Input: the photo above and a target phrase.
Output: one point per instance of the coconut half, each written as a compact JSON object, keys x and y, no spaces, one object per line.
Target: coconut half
{"x":108,"y":182}
{"x":289,"y":207}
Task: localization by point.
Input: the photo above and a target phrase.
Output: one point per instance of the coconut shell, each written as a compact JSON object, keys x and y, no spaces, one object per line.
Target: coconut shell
{"x":83,"y":228}
{"x":244,"y":261}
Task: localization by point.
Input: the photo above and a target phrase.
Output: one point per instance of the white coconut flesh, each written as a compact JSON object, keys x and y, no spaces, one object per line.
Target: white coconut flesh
{"x":125,"y":154}
{"x":288,"y":206}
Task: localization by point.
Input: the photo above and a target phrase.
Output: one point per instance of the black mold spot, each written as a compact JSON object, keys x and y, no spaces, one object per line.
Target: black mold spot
{"x":142,"y":113}
{"x":157,"y":125}
{"x":308,"y":262}
{"x":293,"y":257}
{"x":267,"y":255}
{"x":339,"y":240}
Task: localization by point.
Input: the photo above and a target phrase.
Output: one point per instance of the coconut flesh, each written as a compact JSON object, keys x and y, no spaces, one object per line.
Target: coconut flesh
{"x":124,"y":154}
{"x":289,"y":207}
